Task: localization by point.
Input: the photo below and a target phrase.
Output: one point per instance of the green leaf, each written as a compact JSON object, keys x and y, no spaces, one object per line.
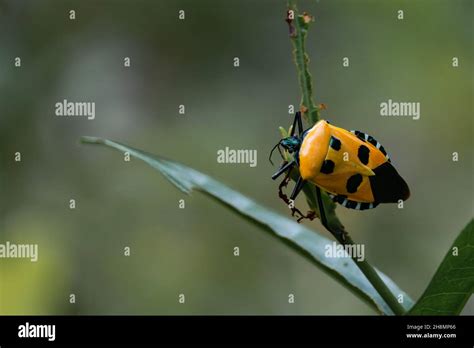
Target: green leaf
{"x":453,"y":282}
{"x":307,"y":243}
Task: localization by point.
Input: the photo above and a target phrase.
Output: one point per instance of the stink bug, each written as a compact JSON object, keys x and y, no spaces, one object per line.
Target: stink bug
{"x":351,"y":166}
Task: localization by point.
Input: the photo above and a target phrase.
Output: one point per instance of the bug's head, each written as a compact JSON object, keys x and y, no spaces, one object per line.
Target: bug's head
{"x":291,"y":144}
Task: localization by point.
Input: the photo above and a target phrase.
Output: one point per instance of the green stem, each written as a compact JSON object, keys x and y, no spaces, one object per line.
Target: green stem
{"x":377,"y":283}
{"x":298,"y":31}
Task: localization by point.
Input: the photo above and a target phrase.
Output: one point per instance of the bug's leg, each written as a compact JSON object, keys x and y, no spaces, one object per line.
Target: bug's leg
{"x":297,"y":122}
{"x":283,"y":168}
{"x":322,"y":214}
{"x":310,"y":216}
{"x":293,"y":127}
{"x":282,"y":185}
{"x":282,"y":195}
{"x":298,"y":187}
{"x":290,"y":203}
{"x":300,"y":123}
{"x":339,"y":234}
{"x":285,"y":199}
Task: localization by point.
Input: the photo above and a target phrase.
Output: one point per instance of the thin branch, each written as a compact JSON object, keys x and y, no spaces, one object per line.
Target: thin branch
{"x":298,"y":25}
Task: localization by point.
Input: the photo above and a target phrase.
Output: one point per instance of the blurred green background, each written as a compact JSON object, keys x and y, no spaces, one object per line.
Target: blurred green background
{"x":190,"y":62}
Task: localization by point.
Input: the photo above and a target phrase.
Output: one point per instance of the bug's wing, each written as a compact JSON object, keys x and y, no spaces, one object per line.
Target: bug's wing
{"x":347,"y":166}
{"x":358,"y":173}
{"x":366,"y":137}
{"x":387,"y":185}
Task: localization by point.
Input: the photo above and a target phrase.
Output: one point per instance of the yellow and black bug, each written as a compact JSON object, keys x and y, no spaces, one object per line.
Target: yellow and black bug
{"x":351,"y":166}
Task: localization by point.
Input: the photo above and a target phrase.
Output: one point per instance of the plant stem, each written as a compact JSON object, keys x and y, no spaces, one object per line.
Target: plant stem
{"x":377,"y":283}
{"x":298,"y":30}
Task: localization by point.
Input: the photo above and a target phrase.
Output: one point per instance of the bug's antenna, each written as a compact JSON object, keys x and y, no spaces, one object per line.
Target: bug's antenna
{"x":273,"y":149}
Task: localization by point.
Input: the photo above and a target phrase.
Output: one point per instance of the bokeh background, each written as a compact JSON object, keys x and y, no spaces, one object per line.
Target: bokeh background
{"x":190,"y":62}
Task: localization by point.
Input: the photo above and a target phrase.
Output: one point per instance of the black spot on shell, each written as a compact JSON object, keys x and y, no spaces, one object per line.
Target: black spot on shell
{"x":363,"y":154}
{"x":335,"y":143}
{"x":353,"y":183}
{"x":327,"y":167}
